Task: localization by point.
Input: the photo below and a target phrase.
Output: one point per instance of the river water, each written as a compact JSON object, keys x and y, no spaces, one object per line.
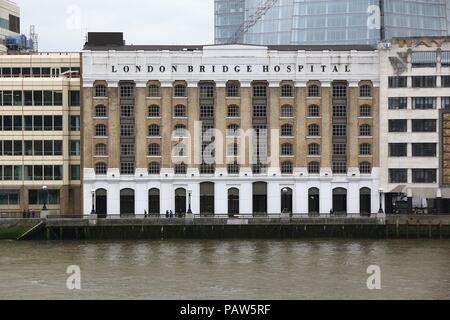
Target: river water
{"x":238,"y":269}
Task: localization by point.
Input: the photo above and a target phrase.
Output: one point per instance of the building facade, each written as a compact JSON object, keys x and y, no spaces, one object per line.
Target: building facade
{"x":40,"y":144}
{"x":330,"y":21}
{"x":247,"y":130}
{"x":415,"y":101}
{"x":9,"y":21}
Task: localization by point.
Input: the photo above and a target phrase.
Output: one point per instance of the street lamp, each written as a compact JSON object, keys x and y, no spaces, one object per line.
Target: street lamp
{"x":381,"y":200}
{"x":284,"y":200}
{"x":189,"y":195}
{"x":45,"y":193}
{"x":93,"y":201}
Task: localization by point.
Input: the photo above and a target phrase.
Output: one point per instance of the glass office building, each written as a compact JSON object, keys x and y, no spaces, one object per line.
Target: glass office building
{"x":330,"y":21}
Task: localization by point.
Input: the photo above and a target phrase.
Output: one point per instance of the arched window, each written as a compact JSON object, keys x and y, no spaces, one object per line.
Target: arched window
{"x":180,"y":111}
{"x":314,"y":130}
{"x":287,"y":149}
{"x":154,"y":111}
{"x":207,"y":198}
{"x":180,"y":168}
{"x":340,"y":200}
{"x":100,"y":91}
{"x":313,"y":91}
{"x":101,"y":130}
{"x":179,"y":150}
{"x":153,"y":91}
{"x":313,"y":111}
{"x":233,"y":111}
{"x":365,"y":91}
{"x":365,"y":130}
{"x":287,"y":167}
{"x":233,"y":201}
{"x":365,"y":167}
{"x":154,"y":130}
{"x":314,"y":167}
{"x":287,"y":130}
{"x":179,"y":90}
{"x":154,"y":168}
{"x":313,"y":149}
{"x":287,"y":91}
{"x":100,"y":111}
{"x":154,"y":150}
{"x":287,"y":111}
{"x":233,"y":130}
{"x":180,"y":131}
{"x":101,"y":168}
{"x":101,"y":149}
{"x":154,"y":201}
{"x":365,"y":111}
{"x":365,"y":149}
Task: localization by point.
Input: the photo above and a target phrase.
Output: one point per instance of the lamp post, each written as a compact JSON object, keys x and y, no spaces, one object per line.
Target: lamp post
{"x":93,"y":202}
{"x":45,"y":193}
{"x":189,"y":195}
{"x":381,"y":201}
{"x":283,"y":200}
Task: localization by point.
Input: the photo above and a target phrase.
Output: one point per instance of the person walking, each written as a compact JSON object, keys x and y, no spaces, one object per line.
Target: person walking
{"x":167,"y":214}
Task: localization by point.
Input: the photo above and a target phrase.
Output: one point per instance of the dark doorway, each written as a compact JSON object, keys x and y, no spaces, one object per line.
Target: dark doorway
{"x":207,"y":199}
{"x":154,"y":207}
{"x":286,"y":200}
{"x":340,"y":201}
{"x":233,"y":202}
{"x":365,"y":201}
{"x":101,"y":203}
{"x":127,"y":202}
{"x":313,"y":201}
{"x":260,"y":199}
{"x":180,"y":201}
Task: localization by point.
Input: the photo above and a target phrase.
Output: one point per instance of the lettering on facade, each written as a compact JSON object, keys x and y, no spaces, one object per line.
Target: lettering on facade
{"x":225,"y":69}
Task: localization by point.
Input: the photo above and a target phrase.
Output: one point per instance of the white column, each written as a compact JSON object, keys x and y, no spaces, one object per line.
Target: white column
{"x":301,"y":198}
{"x":246,"y":199}
{"x":326,"y":198}
{"x":87,"y":199}
{"x":167,"y":198}
{"x":273,"y":198}
{"x":141,"y":198}
{"x":113,"y":199}
{"x":195,"y":200}
{"x":220,"y":198}
{"x":353,"y":199}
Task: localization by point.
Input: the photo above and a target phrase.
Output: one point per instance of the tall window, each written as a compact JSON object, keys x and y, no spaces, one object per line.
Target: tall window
{"x":313,"y":91}
{"x":154,"y":111}
{"x":287,"y":111}
{"x":180,"y":90}
{"x":100,"y":111}
{"x":365,"y":149}
{"x":232,"y":90}
{"x":153,"y":91}
{"x":313,"y":149}
{"x":101,"y":149}
{"x":180,"y":111}
{"x":101,"y":130}
{"x":127,"y":168}
{"x":154,"y":130}
{"x":233,"y":168}
{"x":287,"y":91}
{"x":287,"y":130}
{"x":154,"y":150}
{"x":206,"y":112}
{"x":287,"y":149}
{"x":314,"y":130}
{"x":313,"y":111}
{"x":365,"y":111}
{"x":100,"y":90}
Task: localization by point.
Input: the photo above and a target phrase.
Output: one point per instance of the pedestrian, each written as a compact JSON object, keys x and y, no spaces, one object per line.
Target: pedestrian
{"x":171,"y":214}
{"x":145,"y":214}
{"x":167,"y":214}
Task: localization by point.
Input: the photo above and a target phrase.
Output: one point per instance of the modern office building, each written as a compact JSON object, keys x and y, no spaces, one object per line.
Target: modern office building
{"x":328,"y":21}
{"x":40,"y":147}
{"x":9,"y":21}
{"x":415,"y":106}
{"x":230,"y":129}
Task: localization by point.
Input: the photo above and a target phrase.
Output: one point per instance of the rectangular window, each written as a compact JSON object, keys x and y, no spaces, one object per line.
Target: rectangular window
{"x":18,"y":147}
{"x":206,"y":112}
{"x":18,"y":98}
{"x":424,"y":176}
{"x":17,"y":123}
{"x":398,"y":103}
{"x":339,"y":111}
{"x":206,"y":91}
{"x":38,"y":197}
{"x":424,"y":81}
{"x":339,"y":130}
{"x":424,"y":125}
{"x":126,"y":91}
{"x":9,"y":197}
{"x":75,"y":123}
{"x":28,"y":97}
{"x":38,"y":148}
{"x":127,"y":168}
{"x":75,"y":148}
{"x":57,"y":98}
{"x":398,"y":82}
{"x":339,"y":91}
{"x":398,"y":126}
{"x":57,"y":148}
{"x":424,"y":149}
{"x":74,"y":98}
{"x":398,"y":149}
{"x":48,"y":123}
{"x":48,"y":98}
{"x":57,"y":123}
{"x":75,"y":172}
{"x":260,"y":91}
{"x":446,"y":103}
{"x":7,"y":148}
{"x":127,"y":130}
{"x":38,"y":98}
{"x":48,"y":148}
{"x":446,"y":81}
{"x":424,"y":59}
{"x":398,"y":176}
{"x":339,"y":149}
{"x":339,"y":167}
{"x":127,"y":149}
{"x":7,"y":98}
{"x":259,"y":111}
{"x":424,"y":103}
{"x":37,"y":123}
{"x":126,"y":111}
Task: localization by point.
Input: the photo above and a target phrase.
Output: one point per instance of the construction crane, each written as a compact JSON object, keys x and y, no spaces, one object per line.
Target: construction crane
{"x":252,"y":20}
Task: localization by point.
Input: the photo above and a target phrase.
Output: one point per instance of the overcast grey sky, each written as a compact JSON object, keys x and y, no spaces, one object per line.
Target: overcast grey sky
{"x":62,"y":24}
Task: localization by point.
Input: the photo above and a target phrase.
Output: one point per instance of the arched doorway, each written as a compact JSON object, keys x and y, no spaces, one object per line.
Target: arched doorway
{"x":154,"y":206}
{"x":313,"y":201}
{"x":286,"y":200}
{"x":127,"y":202}
{"x":180,"y":201}
{"x":365,"y":201}
{"x":233,"y":202}
{"x":340,"y":201}
{"x":260,"y":199}
{"x":207,"y":199}
{"x":101,"y":203}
